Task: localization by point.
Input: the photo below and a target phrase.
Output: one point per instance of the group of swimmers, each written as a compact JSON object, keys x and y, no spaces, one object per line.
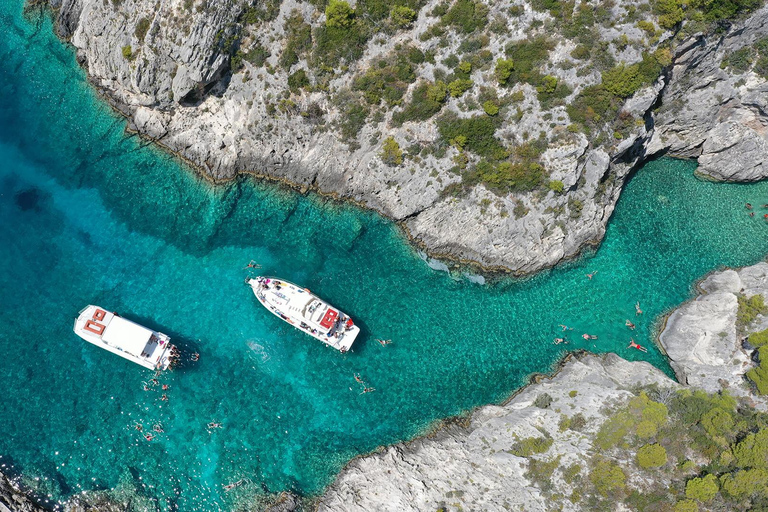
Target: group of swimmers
{"x":752,"y":214}
{"x":366,"y":388}
{"x":627,"y":322}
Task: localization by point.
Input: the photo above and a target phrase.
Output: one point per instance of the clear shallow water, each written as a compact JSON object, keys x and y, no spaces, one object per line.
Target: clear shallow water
{"x":91,"y":216}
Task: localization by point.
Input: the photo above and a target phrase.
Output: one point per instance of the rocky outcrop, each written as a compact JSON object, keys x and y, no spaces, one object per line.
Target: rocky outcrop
{"x":166,"y":66}
{"x":473,"y":467}
{"x":704,"y":344}
{"x":716,"y":112}
{"x":14,"y":499}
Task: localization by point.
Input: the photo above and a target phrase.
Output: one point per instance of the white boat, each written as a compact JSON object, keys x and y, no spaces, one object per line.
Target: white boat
{"x":306,"y":312}
{"x":127,"y":339}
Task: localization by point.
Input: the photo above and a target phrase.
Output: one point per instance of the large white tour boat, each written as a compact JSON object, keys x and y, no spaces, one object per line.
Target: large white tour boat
{"x":306,"y":312}
{"x":127,"y":339}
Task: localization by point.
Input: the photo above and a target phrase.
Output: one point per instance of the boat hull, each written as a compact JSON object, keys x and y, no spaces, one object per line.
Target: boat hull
{"x":306,"y":312}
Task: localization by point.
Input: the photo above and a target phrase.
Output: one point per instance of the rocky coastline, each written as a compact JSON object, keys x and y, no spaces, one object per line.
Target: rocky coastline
{"x":183,"y":94}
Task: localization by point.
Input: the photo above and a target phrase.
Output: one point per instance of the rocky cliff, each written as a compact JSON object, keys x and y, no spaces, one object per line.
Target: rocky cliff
{"x":392,"y":108}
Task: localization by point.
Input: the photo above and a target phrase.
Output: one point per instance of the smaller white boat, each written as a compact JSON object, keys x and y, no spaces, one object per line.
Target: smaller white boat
{"x":306,"y":312}
{"x":127,"y":339}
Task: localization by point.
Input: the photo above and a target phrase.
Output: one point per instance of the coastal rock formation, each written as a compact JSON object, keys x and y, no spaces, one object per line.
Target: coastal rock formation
{"x":209,"y":81}
{"x":477,"y":464}
{"x":703,"y":341}
{"x":714,"y":107}
{"x":13,"y":499}
{"x":474,"y":466}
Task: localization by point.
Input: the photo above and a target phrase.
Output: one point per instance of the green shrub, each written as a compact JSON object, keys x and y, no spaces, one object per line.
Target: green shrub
{"x":686,"y":506}
{"x":749,"y":309}
{"x":338,"y":14}
{"x":573,"y":393}
{"x":651,"y":456}
{"x":592,"y":106}
{"x":528,"y":57}
{"x":420,"y":108}
{"x":353,"y":115}
{"x":479,"y":132}
{"x":491,"y":108}
{"x":540,"y":472}
{"x":334,"y":44}
{"x":298,"y":80}
{"x":141,"y":29}
{"x":402,"y":15}
{"x":464,"y":67}
{"x":746,"y":483}
{"x":761,"y":66}
{"x":646,"y":429}
{"x":505,"y":177}
{"x":670,"y":12}
{"x":759,"y":375}
{"x":752,"y":451}
{"x":128,"y":52}
{"x":548,"y":85}
{"x":556,"y":186}
{"x":740,"y":60}
{"x":389,"y":82}
{"x":298,"y":39}
{"x":466,"y":16}
{"x":647,"y":26}
{"x":571,"y":473}
{"x":459,"y":87}
{"x":702,"y":489}
{"x":608,"y":478}
{"x":503,"y":70}
{"x":391,"y":153}
{"x":437,"y":92}
{"x":531,"y":445}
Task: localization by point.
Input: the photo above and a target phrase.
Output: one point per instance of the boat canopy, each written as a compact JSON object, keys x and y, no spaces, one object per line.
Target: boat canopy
{"x":127,"y":336}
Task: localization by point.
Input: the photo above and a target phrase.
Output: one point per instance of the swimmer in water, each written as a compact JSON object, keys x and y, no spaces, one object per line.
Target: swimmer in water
{"x":358,"y":379}
{"x":214,"y":424}
{"x":252,"y":264}
{"x":384,"y":342}
{"x":139,"y":427}
{"x":593,"y":274}
{"x":638,"y":311}
{"x":560,"y":340}
{"x":164,"y":398}
{"x":165,"y":387}
{"x":149,"y":437}
{"x":158,"y":428}
{"x":632,"y":344}
{"x":195,"y":357}
{"x":630,"y":325}
{"x":367,"y":390}
{"x":566,"y":328}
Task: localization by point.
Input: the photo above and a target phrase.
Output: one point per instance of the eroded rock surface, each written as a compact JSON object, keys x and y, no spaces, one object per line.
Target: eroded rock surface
{"x":704,"y":343}
{"x":473,"y":467}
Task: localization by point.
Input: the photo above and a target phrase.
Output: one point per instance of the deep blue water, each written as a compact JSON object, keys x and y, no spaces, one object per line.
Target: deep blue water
{"x":91,"y":215}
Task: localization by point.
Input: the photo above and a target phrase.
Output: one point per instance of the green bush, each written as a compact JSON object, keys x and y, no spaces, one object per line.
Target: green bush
{"x":420,"y":108}
{"x":556,"y":186}
{"x":391,"y":153}
{"x":686,"y":506}
{"x":740,"y":60}
{"x":508,"y":177}
{"x":646,"y":429}
{"x":608,"y":478}
{"x":503,"y":70}
{"x":437,"y":92}
{"x":543,"y":401}
{"x":298,"y":80}
{"x":761,"y":66}
{"x":752,"y":451}
{"x":528,"y":57}
{"x":298,"y":39}
{"x":338,"y":14}
{"x":388,"y":82}
{"x":353,"y":115}
{"x":759,"y":375}
{"x":459,"y":87}
{"x":402,"y":15}
{"x":491,"y":108}
{"x":651,"y":456}
{"x":127,"y":52}
{"x":531,"y":445}
{"x":334,"y":44}
{"x":702,"y":489}
{"x":548,"y":85}
{"x":749,"y":309}
{"x":141,"y":29}
{"x":479,"y":132}
{"x":592,"y":106}
{"x":466,"y":16}
{"x":746,"y":483}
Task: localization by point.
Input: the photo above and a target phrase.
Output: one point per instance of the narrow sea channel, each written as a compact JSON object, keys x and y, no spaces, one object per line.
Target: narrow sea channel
{"x":88,"y":215}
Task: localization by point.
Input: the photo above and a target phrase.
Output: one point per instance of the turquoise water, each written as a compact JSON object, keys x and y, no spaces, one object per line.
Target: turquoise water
{"x":90,"y":215}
